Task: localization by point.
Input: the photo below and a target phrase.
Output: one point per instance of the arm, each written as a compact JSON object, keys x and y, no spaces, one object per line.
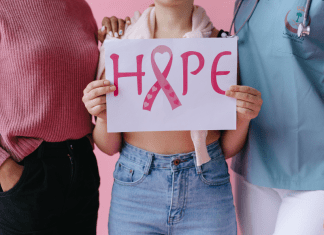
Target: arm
{"x":94,"y":99}
{"x":109,"y":143}
{"x":232,"y":141}
{"x":248,"y":106}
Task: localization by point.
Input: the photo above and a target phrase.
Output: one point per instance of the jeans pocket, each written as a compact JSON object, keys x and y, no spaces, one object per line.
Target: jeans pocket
{"x":127,"y":172}
{"x":20,"y":181}
{"x":215,"y":172}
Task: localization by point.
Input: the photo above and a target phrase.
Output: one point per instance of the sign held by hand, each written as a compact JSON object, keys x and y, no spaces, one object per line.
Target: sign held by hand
{"x":171,"y":84}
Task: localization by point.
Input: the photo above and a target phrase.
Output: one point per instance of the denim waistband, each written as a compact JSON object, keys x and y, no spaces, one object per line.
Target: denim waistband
{"x":163,"y":161}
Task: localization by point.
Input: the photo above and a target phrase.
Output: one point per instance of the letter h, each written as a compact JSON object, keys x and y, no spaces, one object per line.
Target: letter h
{"x":139,"y":74}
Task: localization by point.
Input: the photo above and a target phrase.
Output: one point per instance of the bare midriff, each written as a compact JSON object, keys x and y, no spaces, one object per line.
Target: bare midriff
{"x":166,"y":142}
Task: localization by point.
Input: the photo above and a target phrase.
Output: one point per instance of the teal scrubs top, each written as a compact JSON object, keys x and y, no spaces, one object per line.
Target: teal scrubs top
{"x":285,"y":146}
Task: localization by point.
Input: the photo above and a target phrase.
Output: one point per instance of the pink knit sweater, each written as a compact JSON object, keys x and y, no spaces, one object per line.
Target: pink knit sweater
{"x":48,"y":55}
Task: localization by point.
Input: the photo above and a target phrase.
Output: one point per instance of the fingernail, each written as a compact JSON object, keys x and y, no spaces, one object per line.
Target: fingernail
{"x":128,"y":22}
{"x":103,"y":28}
{"x":106,"y":82}
{"x":112,"y":88}
{"x":120,"y":32}
{"x":116,"y":35}
{"x":110,"y":33}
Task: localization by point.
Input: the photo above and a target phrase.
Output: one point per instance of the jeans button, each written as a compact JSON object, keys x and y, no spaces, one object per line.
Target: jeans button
{"x":176,"y":162}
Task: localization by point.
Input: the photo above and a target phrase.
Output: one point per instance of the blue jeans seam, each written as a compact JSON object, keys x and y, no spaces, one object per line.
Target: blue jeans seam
{"x":131,"y":183}
{"x":184,"y":203}
{"x":201,"y":177}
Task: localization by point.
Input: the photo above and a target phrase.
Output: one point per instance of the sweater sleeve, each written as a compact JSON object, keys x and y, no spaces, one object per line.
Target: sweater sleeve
{"x":3,"y":155}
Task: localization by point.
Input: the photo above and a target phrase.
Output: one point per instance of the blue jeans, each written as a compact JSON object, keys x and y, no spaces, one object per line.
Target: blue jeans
{"x":170,"y":194}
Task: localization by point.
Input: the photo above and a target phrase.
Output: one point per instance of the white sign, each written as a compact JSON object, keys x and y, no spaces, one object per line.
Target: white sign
{"x":171,"y":84}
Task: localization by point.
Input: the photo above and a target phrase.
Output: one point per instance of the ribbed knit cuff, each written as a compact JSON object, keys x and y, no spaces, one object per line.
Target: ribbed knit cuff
{"x":3,"y":156}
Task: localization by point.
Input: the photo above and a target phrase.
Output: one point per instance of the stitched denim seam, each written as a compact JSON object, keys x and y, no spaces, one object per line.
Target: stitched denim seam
{"x":123,"y":165}
{"x":139,"y":163}
{"x":224,"y":181}
{"x":185,"y":201}
{"x":130,"y":183}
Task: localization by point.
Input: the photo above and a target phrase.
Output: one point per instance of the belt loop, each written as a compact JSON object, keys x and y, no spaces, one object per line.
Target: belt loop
{"x":198,"y":168}
{"x":148,"y":164}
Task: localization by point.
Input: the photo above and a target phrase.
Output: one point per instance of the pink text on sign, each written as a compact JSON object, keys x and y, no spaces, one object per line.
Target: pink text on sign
{"x":162,"y":82}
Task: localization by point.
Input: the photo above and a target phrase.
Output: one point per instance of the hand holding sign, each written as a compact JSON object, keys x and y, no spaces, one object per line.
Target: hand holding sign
{"x":248,"y":102}
{"x":94,"y":97}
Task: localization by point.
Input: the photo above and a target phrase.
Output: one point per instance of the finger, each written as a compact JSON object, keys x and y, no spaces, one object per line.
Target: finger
{"x":97,"y":101}
{"x":103,"y":29}
{"x":107,"y":23}
{"x":95,"y":111}
{"x":114,"y":25}
{"x":121,"y":25}
{"x":245,"y":89}
{"x":101,"y":36}
{"x":152,"y":5}
{"x":247,"y":113}
{"x":95,"y":84}
{"x":93,"y":94}
{"x":244,"y":97}
{"x":247,"y":105}
{"x":128,"y":20}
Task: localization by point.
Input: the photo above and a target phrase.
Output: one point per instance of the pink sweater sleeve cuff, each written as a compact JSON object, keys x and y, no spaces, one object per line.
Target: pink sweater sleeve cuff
{"x":3,"y":156}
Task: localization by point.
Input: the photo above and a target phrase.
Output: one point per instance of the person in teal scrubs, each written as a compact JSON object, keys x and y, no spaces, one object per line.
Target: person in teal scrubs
{"x":279,"y":176}
{"x":280,"y":173}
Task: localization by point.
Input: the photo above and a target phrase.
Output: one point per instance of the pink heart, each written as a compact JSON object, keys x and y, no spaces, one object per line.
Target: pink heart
{"x":172,"y":94}
{"x":149,"y":96}
{"x":146,"y":104}
{"x":177,"y":102}
{"x":154,"y":89}
{"x":167,"y":87}
{"x":161,"y":59}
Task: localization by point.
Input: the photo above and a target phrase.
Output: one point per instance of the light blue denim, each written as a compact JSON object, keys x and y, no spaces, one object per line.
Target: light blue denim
{"x":170,"y":194}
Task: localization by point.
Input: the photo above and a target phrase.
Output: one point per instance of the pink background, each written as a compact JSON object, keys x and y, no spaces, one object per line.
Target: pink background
{"x":220,"y":12}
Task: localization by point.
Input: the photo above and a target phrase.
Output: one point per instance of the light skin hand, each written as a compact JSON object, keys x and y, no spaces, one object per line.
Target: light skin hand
{"x":10,"y":173}
{"x":248,"y":106}
{"x":248,"y":103}
{"x":94,"y":97}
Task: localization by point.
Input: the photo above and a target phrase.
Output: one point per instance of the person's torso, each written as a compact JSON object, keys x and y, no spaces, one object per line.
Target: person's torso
{"x":285,"y":148}
{"x":48,"y":55}
{"x":167,"y":142}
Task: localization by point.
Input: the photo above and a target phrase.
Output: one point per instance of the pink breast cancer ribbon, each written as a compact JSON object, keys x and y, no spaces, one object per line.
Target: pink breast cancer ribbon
{"x":161,"y":82}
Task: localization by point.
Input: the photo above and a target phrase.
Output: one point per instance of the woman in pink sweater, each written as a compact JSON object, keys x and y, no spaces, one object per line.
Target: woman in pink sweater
{"x":48,"y":172}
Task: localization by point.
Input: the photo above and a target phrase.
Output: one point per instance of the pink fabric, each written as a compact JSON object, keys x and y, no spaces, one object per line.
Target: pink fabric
{"x":48,"y":55}
{"x":142,"y":27}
